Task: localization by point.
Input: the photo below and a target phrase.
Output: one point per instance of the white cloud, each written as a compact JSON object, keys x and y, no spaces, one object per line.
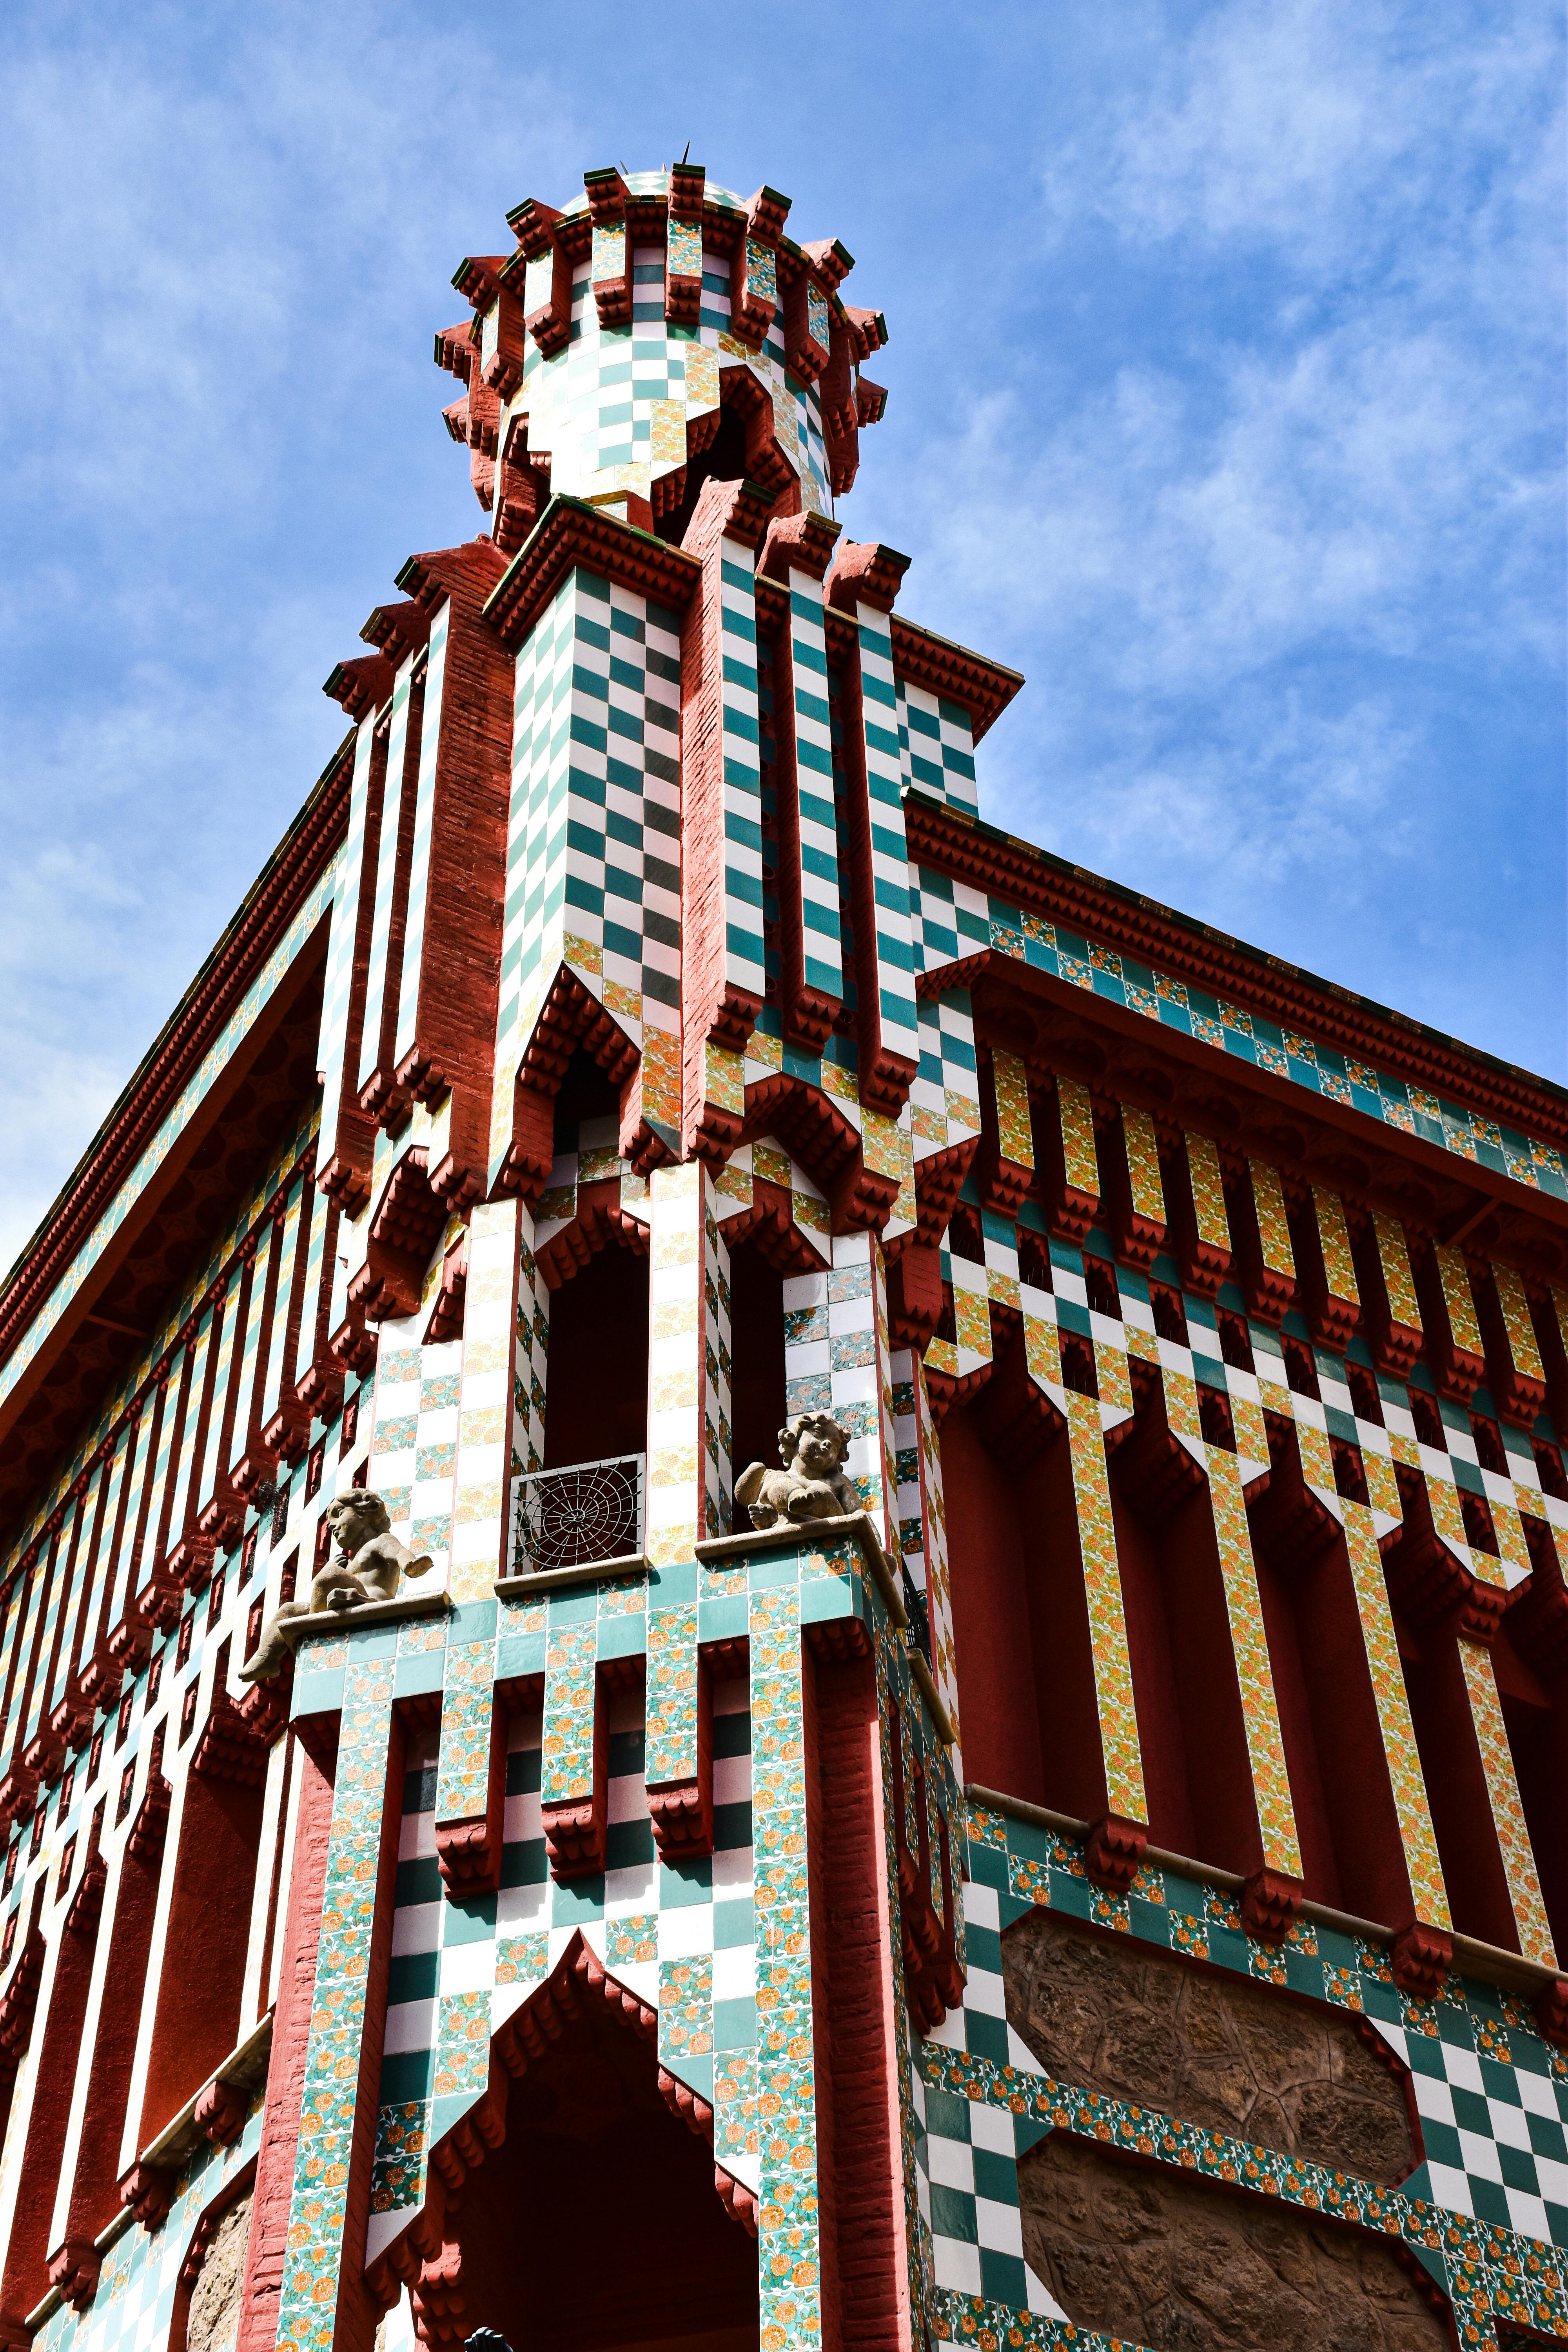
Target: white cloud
{"x":1239,"y":412}
{"x":1266,"y":499}
{"x":58,"y":1097}
{"x":1313,"y":131}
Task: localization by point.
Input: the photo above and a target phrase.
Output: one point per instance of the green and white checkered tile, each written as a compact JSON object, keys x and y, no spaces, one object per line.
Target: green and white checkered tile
{"x":968,"y":2152}
{"x":979,"y":2026}
{"x":1491,"y":2095}
{"x":950,"y":919}
{"x":1493,"y":2132}
{"x":830,"y":1352}
{"x":937,"y":741}
{"x":944,"y":1099}
{"x":592,"y":403}
{"x":967,"y":2155}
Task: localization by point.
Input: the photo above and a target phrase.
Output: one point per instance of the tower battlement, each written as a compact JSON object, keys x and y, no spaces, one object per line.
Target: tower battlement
{"x":655,"y":330}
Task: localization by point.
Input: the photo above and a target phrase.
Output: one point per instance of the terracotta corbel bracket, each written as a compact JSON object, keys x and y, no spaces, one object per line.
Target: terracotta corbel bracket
{"x":681,"y":1811}
{"x":468,"y":1846}
{"x":933,"y":1976}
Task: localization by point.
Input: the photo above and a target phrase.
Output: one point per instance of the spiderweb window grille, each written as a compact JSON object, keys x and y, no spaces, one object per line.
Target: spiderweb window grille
{"x":566,"y":1518}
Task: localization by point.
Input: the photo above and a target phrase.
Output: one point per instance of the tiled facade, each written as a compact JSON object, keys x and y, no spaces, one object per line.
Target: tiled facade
{"x":1259,"y":1329}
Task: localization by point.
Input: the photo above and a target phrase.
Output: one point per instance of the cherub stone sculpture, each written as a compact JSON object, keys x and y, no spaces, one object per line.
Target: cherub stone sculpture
{"x":369,"y":1564}
{"x":813,"y":1447}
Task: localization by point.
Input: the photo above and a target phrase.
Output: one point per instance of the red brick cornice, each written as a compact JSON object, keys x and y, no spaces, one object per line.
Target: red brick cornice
{"x":984,"y":687}
{"x":569,"y":532}
{"x":212,"y":997}
{"x":472,"y":570}
{"x":1191,"y":951}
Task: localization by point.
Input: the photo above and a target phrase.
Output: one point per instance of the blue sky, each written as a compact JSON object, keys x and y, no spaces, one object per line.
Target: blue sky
{"x":1228,"y":385}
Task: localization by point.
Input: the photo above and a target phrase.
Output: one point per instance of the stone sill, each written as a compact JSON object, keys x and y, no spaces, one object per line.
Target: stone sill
{"x":587,"y":1572}
{"x":794,"y":1533}
{"x":365,"y":1614}
{"x":244,"y":2067}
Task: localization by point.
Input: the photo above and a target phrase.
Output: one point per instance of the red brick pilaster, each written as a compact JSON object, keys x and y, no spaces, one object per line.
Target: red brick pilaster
{"x":446,"y":1016}
{"x":712,"y":1006}
{"x":285,"y":2070}
{"x":865,"y":2268}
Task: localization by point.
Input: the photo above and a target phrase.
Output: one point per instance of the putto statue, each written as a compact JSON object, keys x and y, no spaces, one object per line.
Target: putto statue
{"x":368,"y":1567}
{"x":813,"y":1447}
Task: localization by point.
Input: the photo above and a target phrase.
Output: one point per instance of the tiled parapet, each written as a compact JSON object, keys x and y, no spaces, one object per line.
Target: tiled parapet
{"x":718,"y":1945}
{"x":648,"y":313}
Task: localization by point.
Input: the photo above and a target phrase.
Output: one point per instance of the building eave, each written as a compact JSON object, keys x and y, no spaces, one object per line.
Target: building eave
{"x":972,"y":851}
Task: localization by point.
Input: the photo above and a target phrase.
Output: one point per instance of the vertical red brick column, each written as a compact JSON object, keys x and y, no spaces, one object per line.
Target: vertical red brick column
{"x":26,"y":2273}
{"x":865,"y":2266}
{"x":718,"y":1002}
{"x":290,"y":2044}
{"x":94,"y":2198}
{"x":451,"y":976}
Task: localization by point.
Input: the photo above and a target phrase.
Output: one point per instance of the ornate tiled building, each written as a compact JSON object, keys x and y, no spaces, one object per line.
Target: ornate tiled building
{"x":1078,"y":1858}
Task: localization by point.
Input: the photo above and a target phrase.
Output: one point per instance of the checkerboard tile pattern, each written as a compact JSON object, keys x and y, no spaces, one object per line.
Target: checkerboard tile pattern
{"x":938,"y":744}
{"x":832,"y":1362}
{"x":952,"y":920}
{"x":899,"y":1024}
{"x":720,"y":1946}
{"x":413,"y":1449}
{"x":823,"y":959}
{"x":594,"y":844}
{"x":734,"y":1999}
{"x":923,"y":1524}
{"x":945,"y":1101}
{"x":647,"y":1923}
{"x":1493,"y":2128}
{"x":739,"y":738}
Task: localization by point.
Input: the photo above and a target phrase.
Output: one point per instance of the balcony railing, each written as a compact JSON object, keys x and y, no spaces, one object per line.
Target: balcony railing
{"x":570,"y":1517}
